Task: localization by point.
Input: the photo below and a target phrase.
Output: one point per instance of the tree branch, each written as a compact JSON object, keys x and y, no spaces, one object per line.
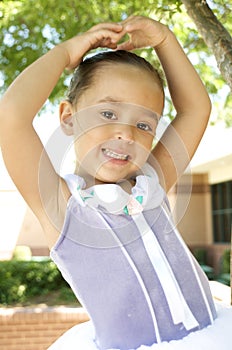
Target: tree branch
{"x":215,"y":35}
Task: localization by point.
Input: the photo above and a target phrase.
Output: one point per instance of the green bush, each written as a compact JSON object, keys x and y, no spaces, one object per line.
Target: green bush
{"x":225,"y":261}
{"x":22,"y":252}
{"x":21,"y":281}
{"x":224,"y":278}
{"x":224,"y":274}
{"x":201,"y":256}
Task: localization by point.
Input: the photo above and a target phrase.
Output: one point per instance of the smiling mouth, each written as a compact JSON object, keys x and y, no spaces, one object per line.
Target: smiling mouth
{"x":111,"y":154}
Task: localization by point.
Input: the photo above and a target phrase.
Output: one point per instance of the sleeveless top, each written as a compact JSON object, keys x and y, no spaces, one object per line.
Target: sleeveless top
{"x":128,"y":265}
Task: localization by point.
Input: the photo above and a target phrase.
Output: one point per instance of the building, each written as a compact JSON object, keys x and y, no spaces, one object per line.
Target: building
{"x":208,"y":219}
{"x":201,"y":203}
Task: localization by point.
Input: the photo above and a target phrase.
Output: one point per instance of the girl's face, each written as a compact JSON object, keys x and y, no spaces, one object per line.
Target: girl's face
{"x":116,"y":122}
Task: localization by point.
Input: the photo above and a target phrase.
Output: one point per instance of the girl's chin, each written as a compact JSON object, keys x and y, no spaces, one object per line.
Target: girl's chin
{"x":116,"y":176}
{"x":109,"y":172}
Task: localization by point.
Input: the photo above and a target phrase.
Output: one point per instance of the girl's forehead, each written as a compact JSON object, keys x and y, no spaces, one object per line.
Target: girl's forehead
{"x":122,"y":85}
{"x":122,"y":72}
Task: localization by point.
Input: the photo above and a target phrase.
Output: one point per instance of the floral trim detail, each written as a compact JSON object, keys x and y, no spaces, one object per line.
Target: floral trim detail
{"x":83,"y":194}
{"x":134,"y":206}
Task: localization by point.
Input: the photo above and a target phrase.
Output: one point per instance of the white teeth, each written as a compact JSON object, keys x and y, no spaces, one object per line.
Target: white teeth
{"x":115,"y":155}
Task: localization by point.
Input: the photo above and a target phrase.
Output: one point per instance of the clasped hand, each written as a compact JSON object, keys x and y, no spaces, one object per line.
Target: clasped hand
{"x":142,"y":32}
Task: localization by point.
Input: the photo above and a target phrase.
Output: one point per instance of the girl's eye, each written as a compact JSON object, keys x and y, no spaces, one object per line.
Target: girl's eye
{"x":144,"y":126}
{"x":109,"y":115}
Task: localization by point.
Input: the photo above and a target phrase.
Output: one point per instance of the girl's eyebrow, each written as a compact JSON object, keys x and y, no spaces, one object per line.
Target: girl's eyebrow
{"x":109,"y":99}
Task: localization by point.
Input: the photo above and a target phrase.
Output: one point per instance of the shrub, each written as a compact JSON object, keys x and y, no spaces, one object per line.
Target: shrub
{"x":201,"y":256}
{"x":20,"y":281}
{"x":22,"y":252}
{"x":225,"y":262}
{"x":224,"y":275}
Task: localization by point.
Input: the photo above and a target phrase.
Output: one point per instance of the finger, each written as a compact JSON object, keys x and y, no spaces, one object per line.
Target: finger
{"x":127,"y":46}
{"x":131,"y":20}
{"x":105,"y":34}
{"x":116,"y":27}
{"x":110,"y":45}
{"x":128,"y":19}
{"x":133,"y":23}
{"x":107,"y":43}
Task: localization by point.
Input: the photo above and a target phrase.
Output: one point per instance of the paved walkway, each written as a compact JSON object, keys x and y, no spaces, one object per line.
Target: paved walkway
{"x":221,"y":293}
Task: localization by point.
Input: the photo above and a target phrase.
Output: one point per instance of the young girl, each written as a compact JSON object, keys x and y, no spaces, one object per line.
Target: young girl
{"x":108,"y":225}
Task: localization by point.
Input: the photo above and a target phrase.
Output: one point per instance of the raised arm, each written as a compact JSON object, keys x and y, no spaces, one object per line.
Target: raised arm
{"x":22,"y":150}
{"x":190,"y":99}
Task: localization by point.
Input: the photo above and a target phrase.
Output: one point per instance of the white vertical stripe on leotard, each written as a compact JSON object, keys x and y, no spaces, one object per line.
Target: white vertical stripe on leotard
{"x":178,"y":306}
{"x":140,"y":280}
{"x":167,"y":213}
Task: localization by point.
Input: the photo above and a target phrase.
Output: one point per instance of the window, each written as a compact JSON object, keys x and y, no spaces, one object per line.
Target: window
{"x":222,"y":211}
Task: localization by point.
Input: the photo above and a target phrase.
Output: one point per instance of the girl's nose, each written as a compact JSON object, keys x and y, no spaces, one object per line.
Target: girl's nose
{"x":124,"y":132}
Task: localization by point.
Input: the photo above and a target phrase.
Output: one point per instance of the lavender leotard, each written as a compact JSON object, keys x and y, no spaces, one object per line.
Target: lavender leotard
{"x":128,"y":265}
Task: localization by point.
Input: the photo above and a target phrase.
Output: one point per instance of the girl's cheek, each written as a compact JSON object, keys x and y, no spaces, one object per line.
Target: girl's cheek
{"x":147,"y":141}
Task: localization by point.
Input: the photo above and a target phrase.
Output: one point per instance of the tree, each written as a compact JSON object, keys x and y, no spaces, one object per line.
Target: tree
{"x":26,"y":34}
{"x":214,"y":34}
{"x":29,"y":28}
{"x":219,"y":41}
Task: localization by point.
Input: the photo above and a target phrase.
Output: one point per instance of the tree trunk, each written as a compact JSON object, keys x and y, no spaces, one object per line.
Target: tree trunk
{"x":216,"y":37}
{"x":231,"y":269}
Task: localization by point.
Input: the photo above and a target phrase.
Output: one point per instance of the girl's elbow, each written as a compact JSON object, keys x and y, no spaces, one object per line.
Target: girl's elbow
{"x":208,"y":107}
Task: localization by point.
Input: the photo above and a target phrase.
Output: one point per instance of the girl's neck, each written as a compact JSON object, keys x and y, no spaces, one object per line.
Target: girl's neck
{"x":90,"y":181}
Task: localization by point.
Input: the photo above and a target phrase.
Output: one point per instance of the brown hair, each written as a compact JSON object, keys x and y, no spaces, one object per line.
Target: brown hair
{"x":83,"y":76}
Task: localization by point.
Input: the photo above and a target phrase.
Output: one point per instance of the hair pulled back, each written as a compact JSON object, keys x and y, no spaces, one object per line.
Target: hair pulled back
{"x":84,"y":74}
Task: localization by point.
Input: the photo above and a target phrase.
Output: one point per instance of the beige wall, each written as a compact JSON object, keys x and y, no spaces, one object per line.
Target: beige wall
{"x":12,"y":209}
{"x":193,"y":209}
{"x":31,"y":234}
{"x":18,"y":225}
{"x":218,"y":170}
{"x":190,"y":202}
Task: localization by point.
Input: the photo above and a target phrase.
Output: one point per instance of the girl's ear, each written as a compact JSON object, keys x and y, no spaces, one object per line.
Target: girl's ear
{"x":66,"y":120}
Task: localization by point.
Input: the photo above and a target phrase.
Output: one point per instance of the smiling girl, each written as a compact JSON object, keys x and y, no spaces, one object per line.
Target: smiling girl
{"x":108,"y":225}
